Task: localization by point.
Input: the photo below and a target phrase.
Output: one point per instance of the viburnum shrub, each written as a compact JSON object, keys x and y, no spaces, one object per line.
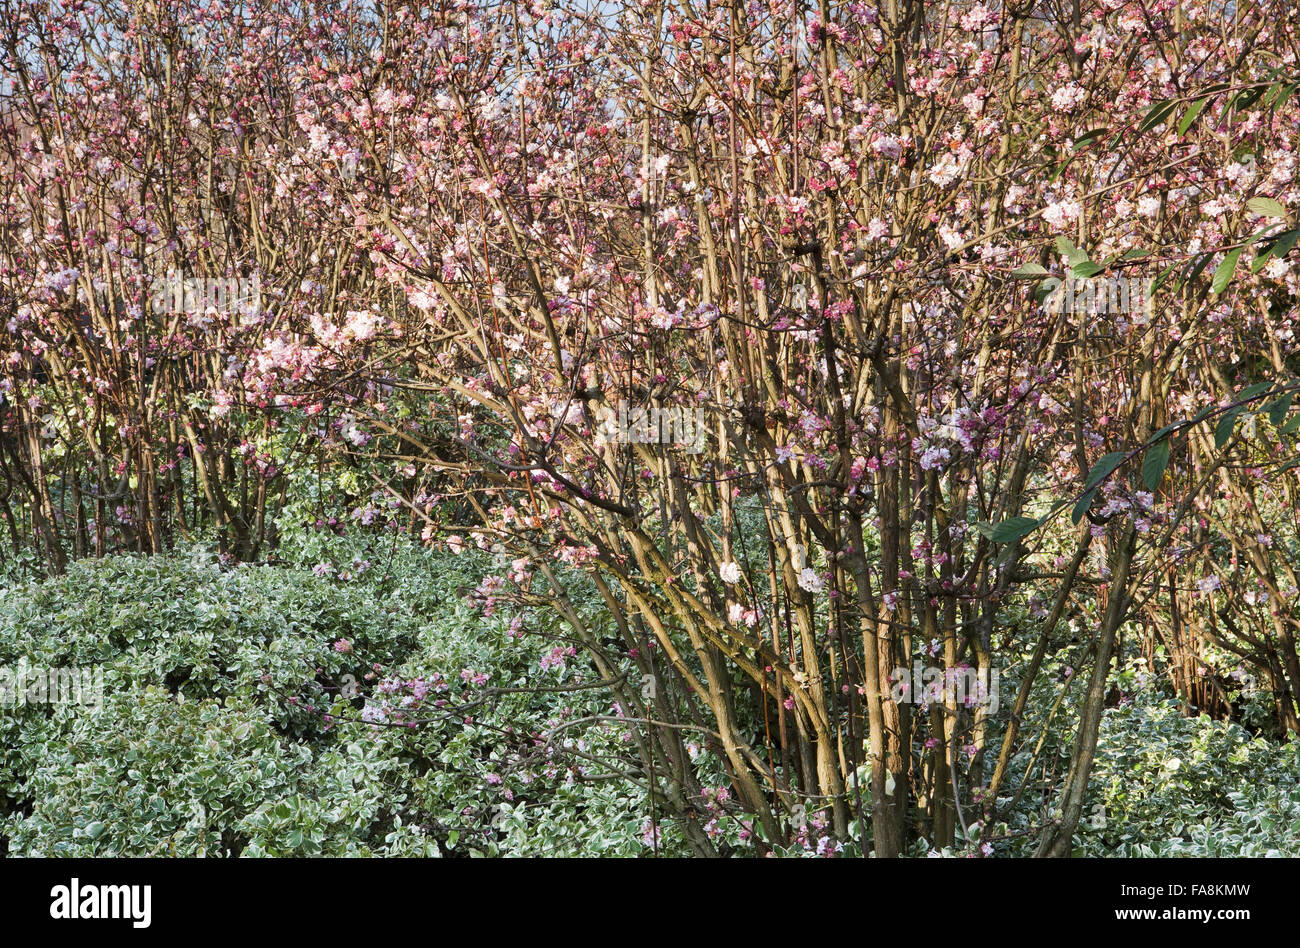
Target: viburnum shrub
{"x":752,"y":313}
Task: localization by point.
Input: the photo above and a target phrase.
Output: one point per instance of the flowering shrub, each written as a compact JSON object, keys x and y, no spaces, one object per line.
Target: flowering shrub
{"x":483,"y":233}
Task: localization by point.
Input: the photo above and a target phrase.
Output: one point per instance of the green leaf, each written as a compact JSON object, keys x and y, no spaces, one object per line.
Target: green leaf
{"x":1266,"y":206}
{"x":1160,"y":278}
{"x":1104,"y":468}
{"x":1087,"y":138}
{"x":1194,"y":269}
{"x":1011,"y":530}
{"x":1158,"y":112}
{"x":1277,"y":411}
{"x":1278,"y":247}
{"x":1223,"y":430}
{"x":1285,"y":242}
{"x":1133,"y":254}
{"x":1190,"y":116}
{"x":1154,"y":464}
{"x":1046,"y":289}
{"x":1082,"y":506}
{"x":1085,"y":270}
{"x":1250,"y":391}
{"x":1074,"y":255}
{"x":1161,"y":433}
{"x":1247,"y":97}
{"x":1223,"y":274}
{"x":1100,"y":471}
{"x":1028,"y":270}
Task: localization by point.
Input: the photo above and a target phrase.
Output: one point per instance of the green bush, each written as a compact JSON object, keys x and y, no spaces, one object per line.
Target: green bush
{"x":231,"y":721}
{"x":1169,"y":785}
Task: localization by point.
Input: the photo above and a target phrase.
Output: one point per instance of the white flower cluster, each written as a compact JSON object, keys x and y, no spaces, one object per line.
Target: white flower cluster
{"x":940,"y":440}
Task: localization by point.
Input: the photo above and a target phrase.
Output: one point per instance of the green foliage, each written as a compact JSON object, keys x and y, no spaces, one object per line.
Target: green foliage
{"x":155,"y":774}
{"x":213,"y":740}
{"x":1169,"y":785}
{"x":213,"y":737}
